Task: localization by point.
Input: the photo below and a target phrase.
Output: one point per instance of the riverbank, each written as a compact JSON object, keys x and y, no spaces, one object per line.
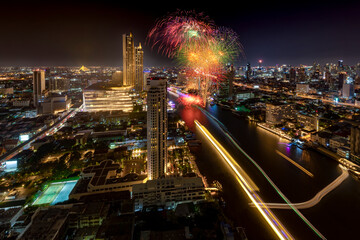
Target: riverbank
{"x":275,"y":131}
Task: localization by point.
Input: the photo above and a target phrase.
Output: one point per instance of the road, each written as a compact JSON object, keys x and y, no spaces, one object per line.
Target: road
{"x":48,"y":131}
{"x":300,"y":96}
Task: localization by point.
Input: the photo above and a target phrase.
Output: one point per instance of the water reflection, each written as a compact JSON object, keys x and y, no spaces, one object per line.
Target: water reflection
{"x":261,"y":145}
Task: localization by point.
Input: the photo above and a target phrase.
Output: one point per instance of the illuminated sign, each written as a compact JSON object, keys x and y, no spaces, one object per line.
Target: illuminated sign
{"x":24,"y":137}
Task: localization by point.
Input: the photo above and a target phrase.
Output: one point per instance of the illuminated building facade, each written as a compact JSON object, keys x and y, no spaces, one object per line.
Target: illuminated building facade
{"x":59,"y":84}
{"x":156,"y":127}
{"x":139,"y":68}
{"x":107,"y":97}
{"x":277,"y":112}
{"x":133,"y":63}
{"x":38,"y":85}
{"x":128,"y":60}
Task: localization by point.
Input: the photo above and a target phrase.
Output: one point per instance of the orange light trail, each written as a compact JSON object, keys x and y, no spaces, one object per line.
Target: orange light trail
{"x":248,"y":186}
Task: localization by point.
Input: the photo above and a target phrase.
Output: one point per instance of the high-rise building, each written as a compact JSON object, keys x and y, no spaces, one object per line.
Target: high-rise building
{"x":156,"y":127}
{"x":133,"y":63}
{"x":248,"y":71}
{"x":59,"y":84}
{"x":226,"y":86}
{"x":340,"y":65}
{"x":301,"y":74}
{"x":347,"y":90}
{"x":139,"y":68}
{"x":128,"y":60}
{"x":355,"y":144}
{"x":292,"y":74}
{"x":38,"y":85}
{"x":342,"y":79}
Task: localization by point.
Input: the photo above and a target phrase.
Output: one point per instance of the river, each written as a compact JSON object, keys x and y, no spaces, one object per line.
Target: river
{"x":335,"y":216}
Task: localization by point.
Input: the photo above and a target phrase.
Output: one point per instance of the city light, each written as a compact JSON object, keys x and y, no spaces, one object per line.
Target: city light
{"x":262,"y":139}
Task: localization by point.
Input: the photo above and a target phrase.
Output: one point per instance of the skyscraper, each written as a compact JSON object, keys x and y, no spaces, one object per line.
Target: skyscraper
{"x":342,"y":79}
{"x":128,"y":60}
{"x":340,"y":65}
{"x":139,"y":68}
{"x":38,"y":85}
{"x":248,"y":71}
{"x":226,"y":86}
{"x":292,"y":75}
{"x":156,"y":127}
{"x":133,"y":66}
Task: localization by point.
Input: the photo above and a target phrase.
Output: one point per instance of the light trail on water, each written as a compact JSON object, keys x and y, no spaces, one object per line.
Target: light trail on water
{"x":317,"y":198}
{"x":234,"y":141}
{"x":248,"y":186}
{"x":295,"y":164}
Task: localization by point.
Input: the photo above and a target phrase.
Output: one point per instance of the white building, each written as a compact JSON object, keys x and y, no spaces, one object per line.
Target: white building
{"x":168,"y":192}
{"x":156,"y":127}
{"x":107,"y":97}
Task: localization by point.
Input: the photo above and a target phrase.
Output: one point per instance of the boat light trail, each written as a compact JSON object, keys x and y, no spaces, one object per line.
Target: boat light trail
{"x":295,"y":163}
{"x":247,"y":186}
{"x":317,"y":198}
{"x":234,"y":141}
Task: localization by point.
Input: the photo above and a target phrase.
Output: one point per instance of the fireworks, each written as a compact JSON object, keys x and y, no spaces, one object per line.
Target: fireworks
{"x":197,"y":44}
{"x":188,"y":100}
{"x":178,"y":30}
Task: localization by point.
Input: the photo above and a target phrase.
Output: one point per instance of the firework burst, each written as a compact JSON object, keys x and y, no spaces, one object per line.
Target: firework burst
{"x":196,"y":43}
{"x":179,"y":29}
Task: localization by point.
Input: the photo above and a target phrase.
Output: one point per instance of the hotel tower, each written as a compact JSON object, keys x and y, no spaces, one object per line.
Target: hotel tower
{"x":156,"y":127}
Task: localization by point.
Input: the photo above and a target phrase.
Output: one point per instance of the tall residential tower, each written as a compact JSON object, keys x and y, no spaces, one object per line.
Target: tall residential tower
{"x":128,"y":60}
{"x":133,"y":66}
{"x":38,"y":85}
{"x":139,"y":68}
{"x":156,"y":127}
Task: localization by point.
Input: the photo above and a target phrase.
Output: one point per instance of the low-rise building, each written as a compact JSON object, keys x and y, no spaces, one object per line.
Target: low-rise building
{"x":54,"y":104}
{"x":302,"y":88}
{"x":309,"y":122}
{"x":102,"y":178}
{"x":343,"y":152}
{"x":337,"y":142}
{"x":168,"y":192}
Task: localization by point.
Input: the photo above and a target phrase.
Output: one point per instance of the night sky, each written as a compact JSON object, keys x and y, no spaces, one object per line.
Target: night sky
{"x":74,"y":34}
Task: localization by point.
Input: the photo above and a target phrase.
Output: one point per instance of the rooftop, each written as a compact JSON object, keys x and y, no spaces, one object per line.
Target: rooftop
{"x":107,"y":87}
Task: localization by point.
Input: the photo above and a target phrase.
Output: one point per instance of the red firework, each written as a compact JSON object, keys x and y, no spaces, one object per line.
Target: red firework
{"x":188,"y":100}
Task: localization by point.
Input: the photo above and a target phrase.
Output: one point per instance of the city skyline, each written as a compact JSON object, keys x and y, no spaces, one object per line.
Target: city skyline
{"x":200,"y":121}
{"x":90,"y":34}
